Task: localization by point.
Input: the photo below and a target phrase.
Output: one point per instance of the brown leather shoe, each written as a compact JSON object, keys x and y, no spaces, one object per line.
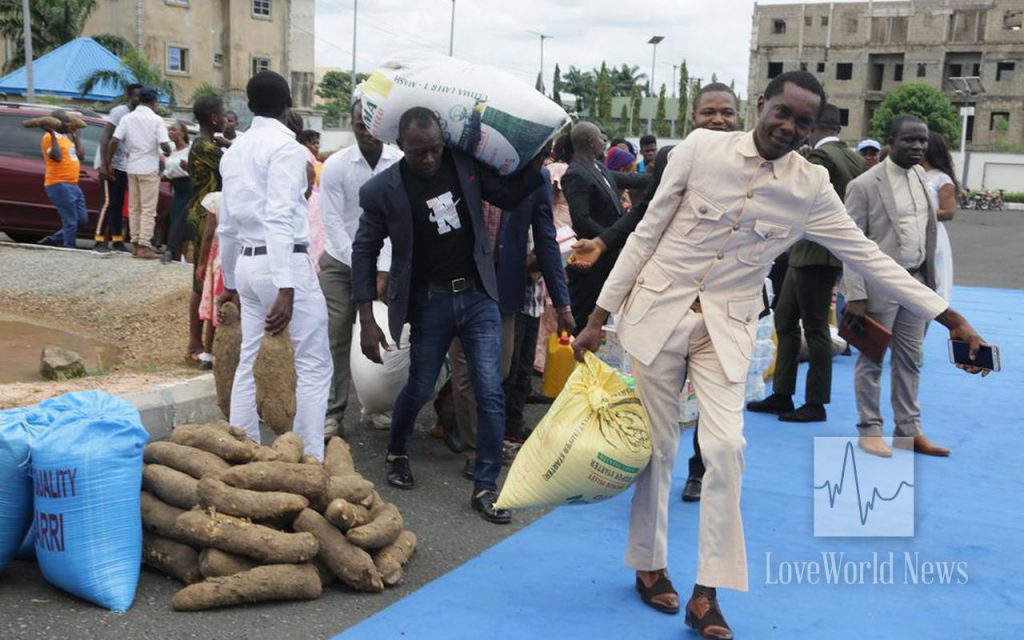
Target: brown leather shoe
{"x":875,"y":445}
{"x":704,"y":616}
{"x":146,"y":253}
{"x":921,"y":444}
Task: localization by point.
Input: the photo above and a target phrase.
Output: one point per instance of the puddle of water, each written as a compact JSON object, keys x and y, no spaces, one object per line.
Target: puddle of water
{"x":21,"y":346}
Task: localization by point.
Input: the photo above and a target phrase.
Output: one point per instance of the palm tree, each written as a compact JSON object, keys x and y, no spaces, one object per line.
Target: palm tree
{"x":582,"y":84}
{"x":625,"y":78}
{"x":134,"y":68}
{"x":53,"y":23}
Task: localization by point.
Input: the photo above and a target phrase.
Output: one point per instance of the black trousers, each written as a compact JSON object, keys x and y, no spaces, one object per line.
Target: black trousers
{"x":696,"y":462}
{"x":585,"y":287}
{"x":520,"y":375}
{"x":805,"y":299}
{"x":179,"y":215}
{"x":112,"y":214}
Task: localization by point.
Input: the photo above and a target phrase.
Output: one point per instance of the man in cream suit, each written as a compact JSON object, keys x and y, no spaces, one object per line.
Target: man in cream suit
{"x":890,"y":204}
{"x":687,"y":288}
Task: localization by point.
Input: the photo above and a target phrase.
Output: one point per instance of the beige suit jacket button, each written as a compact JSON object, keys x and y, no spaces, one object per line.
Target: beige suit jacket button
{"x":750,"y":194}
{"x":700,"y":288}
{"x":702,"y":209}
{"x":736,"y":227}
{"x":640,"y":280}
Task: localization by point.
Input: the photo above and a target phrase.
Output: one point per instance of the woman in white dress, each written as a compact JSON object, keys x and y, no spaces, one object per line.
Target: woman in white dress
{"x":942,"y":188}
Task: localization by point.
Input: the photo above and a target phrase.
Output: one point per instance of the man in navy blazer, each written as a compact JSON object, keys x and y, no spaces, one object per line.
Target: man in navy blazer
{"x":442,"y":282}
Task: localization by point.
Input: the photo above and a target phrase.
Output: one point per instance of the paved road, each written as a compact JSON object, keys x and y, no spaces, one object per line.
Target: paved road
{"x":986,"y":249}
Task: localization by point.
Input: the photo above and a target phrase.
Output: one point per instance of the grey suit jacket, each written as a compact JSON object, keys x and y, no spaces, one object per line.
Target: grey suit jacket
{"x":872,"y":205}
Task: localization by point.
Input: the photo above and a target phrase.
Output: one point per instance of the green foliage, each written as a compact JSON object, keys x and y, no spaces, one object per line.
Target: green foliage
{"x":1007,"y":147}
{"x":684,"y":98}
{"x":556,"y":86}
{"x":622,"y":124}
{"x":1013,"y":196}
{"x":923,"y":101}
{"x":206,"y":89}
{"x":336,"y":88}
{"x":53,"y":23}
{"x":661,"y":124}
{"x":134,"y":68}
{"x":625,"y":77}
{"x":635,"y":102}
{"x":604,"y":94}
{"x":583,"y":85}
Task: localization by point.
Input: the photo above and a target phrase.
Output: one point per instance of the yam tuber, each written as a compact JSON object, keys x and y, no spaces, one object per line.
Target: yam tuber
{"x":235,"y":535}
{"x":303,"y":479}
{"x":195,"y":462}
{"x":259,"y":584}
{"x":170,"y":485}
{"x":389,"y":560}
{"x":289,"y":447}
{"x":338,"y":458}
{"x":158,"y":516}
{"x":214,"y":563}
{"x":256,"y":505}
{"x":353,"y":488}
{"x":345,"y":515}
{"x":227,"y":345}
{"x":308,"y":459}
{"x":382,"y":529}
{"x":220,"y":442}
{"x":352,"y":565}
{"x":177,"y":560}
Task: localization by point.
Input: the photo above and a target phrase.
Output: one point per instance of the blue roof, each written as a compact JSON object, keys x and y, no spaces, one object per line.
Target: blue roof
{"x":60,"y":72}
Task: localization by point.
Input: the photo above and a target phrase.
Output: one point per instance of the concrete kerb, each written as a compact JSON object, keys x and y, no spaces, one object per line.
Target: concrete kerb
{"x":183,"y":402}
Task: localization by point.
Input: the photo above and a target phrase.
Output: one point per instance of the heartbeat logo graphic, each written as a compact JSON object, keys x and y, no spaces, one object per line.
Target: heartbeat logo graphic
{"x":853,"y":505}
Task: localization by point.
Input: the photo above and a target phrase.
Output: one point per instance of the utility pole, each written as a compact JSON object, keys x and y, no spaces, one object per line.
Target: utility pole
{"x":654,"y":57}
{"x":30,"y":78}
{"x":543,"y":37}
{"x":451,"y":34}
{"x":352,"y":78}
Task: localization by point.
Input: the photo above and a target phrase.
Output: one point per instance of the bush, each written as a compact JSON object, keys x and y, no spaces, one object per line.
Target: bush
{"x":1014,"y":196}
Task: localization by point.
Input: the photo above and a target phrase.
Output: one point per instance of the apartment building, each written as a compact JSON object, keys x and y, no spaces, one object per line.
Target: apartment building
{"x":218,"y":42}
{"x":861,"y":51}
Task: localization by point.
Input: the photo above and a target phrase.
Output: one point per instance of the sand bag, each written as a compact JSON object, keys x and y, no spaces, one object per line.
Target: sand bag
{"x":377,"y":385}
{"x":86,"y":472}
{"x":15,"y":482}
{"x":590,"y":446}
{"x":499,"y":119}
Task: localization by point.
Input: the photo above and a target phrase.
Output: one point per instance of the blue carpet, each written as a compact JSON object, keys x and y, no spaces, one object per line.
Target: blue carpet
{"x":563,"y":576}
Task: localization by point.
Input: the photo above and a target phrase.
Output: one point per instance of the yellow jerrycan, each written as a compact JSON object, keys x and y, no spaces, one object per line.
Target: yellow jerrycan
{"x":559,"y":364}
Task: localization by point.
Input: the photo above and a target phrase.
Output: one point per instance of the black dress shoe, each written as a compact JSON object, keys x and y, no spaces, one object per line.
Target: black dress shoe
{"x":469,"y":469}
{"x":691,"y":492}
{"x":806,"y":413}
{"x":483,"y":501}
{"x":398,"y":472}
{"x":775,"y":403}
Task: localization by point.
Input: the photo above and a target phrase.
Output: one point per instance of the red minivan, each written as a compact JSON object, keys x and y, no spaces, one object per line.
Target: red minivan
{"x":26,"y":214}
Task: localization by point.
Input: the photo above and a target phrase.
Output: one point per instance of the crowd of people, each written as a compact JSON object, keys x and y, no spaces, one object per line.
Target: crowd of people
{"x":676,"y":242}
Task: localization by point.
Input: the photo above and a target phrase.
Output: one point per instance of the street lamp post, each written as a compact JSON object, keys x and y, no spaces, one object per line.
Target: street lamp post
{"x":654,"y":58}
{"x":352,"y":78}
{"x":540,"y":78}
{"x":968,"y":87}
{"x":30,"y":78}
{"x":451,"y":34}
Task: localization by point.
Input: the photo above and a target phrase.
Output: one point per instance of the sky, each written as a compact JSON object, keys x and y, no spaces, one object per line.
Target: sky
{"x":713,"y":37}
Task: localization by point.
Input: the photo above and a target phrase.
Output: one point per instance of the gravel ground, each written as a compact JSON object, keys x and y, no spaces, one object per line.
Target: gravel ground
{"x":141,"y":306}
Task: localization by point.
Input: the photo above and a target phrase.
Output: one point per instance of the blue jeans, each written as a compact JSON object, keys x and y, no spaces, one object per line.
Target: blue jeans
{"x":70,"y":203}
{"x":436,"y":317}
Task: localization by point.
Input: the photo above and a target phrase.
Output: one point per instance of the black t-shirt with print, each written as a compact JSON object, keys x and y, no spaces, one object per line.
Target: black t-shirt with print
{"x":442,"y":228}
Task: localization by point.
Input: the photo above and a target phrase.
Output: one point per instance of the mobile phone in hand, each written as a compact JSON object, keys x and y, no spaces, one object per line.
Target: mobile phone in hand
{"x":986,"y":358}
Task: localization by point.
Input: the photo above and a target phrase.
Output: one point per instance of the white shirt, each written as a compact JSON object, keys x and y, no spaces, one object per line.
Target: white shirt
{"x":912,"y":204}
{"x":114,"y":118}
{"x":264,"y":203}
{"x":172,"y":166}
{"x":826,"y":140}
{"x":141,"y":133}
{"x":343,"y":174}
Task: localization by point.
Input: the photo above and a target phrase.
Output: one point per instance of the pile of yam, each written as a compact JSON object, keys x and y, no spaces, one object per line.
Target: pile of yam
{"x":238,"y":522}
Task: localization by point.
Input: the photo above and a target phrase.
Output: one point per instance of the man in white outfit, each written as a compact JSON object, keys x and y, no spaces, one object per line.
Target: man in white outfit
{"x":687,"y":287}
{"x":264,"y":238}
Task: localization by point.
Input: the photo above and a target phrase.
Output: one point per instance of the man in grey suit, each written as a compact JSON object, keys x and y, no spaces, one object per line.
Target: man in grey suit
{"x":890,"y":204}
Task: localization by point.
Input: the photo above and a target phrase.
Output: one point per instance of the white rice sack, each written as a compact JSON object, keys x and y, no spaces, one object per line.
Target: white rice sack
{"x":496,"y":117}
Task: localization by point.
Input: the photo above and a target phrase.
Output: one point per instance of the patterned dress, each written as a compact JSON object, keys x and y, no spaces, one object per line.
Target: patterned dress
{"x":204,"y":169}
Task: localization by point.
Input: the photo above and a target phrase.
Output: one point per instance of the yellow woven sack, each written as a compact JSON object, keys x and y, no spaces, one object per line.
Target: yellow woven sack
{"x":590,"y":446}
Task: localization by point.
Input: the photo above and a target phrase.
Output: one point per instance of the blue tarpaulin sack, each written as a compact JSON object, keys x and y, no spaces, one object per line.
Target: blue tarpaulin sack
{"x":15,"y":483}
{"x":87,"y":472}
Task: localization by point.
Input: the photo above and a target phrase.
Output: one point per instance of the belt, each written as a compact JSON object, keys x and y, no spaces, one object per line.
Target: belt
{"x":695,"y":307}
{"x":262,"y":251}
{"x":458,"y":285}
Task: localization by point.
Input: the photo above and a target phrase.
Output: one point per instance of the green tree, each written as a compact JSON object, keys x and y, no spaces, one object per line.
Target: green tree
{"x":556,"y":86}
{"x":684,"y":98}
{"x":336,"y":89}
{"x":636,"y":101}
{"x":661,"y":124}
{"x":714,"y":77}
{"x":539,"y":85}
{"x":583,"y":85}
{"x":625,"y":78}
{"x":922,"y":101}
{"x":53,"y":23}
{"x":206,"y":89}
{"x":604,"y":94}
{"x":134,"y":68}
{"x":622,"y":125}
